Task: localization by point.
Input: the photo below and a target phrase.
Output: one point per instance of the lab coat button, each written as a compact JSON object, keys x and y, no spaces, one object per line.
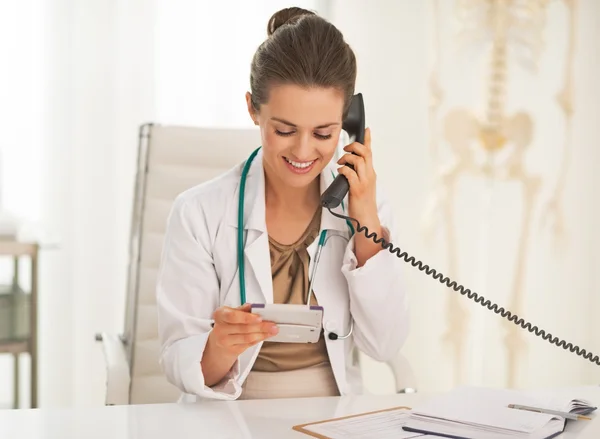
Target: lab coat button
{"x":330,"y":326}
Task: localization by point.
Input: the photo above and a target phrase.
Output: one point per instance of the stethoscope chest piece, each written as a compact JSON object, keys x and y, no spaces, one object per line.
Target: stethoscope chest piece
{"x":330,"y":326}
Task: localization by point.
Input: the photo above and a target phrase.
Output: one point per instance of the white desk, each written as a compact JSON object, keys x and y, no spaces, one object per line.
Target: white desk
{"x":217,"y":419}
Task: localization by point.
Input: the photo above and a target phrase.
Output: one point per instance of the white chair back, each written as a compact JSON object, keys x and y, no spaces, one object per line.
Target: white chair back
{"x":171,"y":160}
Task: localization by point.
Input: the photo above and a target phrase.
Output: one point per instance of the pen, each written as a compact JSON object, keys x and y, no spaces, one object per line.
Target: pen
{"x":566,"y":415}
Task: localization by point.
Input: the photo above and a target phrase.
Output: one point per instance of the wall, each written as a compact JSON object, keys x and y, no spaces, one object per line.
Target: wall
{"x":22,"y":81}
{"x":110,"y":94}
{"x":98,"y":72}
{"x":588,"y":73}
{"x":393,"y":43}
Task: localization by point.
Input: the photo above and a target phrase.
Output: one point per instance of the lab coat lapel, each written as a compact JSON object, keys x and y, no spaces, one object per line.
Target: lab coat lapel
{"x":257,"y":254}
{"x":256,"y":249}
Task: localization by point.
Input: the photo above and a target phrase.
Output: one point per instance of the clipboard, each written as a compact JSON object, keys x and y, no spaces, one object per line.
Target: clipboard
{"x":301,"y":428}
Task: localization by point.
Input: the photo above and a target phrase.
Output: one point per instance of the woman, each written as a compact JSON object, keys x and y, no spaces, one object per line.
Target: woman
{"x":302,"y":81}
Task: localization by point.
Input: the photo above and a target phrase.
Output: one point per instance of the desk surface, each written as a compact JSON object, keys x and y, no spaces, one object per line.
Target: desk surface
{"x":223,"y":419}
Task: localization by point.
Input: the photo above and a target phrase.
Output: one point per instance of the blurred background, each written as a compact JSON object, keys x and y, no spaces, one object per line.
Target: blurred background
{"x":514,"y":217}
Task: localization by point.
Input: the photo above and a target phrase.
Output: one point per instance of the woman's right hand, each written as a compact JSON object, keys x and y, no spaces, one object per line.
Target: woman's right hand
{"x":237,"y":329}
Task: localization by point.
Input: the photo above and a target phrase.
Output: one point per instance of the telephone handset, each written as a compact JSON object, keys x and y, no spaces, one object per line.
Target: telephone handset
{"x":354,"y":125}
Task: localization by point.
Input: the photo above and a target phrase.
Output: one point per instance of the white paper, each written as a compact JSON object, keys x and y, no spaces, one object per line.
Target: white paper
{"x":486,"y":407}
{"x":381,"y":425}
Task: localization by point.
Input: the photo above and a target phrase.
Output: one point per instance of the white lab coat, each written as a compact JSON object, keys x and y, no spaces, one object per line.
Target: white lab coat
{"x":199,"y":273}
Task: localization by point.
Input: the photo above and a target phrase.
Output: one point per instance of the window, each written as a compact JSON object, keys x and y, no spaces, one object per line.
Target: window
{"x":203,"y":56}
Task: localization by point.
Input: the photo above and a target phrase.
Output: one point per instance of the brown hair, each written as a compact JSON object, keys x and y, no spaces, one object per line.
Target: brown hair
{"x":302,"y":49}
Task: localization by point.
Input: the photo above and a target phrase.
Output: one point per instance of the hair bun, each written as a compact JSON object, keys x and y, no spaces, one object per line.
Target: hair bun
{"x":285,"y":16}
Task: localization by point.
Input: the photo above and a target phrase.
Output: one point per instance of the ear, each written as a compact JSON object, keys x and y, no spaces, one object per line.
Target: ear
{"x":251,"y":110}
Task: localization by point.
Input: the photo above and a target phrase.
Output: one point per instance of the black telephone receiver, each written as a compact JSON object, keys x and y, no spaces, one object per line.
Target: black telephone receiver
{"x":354,"y":125}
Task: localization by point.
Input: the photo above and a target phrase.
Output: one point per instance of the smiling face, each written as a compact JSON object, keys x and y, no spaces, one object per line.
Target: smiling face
{"x":300,"y":128}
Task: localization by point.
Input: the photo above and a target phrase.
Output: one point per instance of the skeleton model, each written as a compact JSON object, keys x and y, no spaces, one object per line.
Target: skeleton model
{"x":507,"y":27}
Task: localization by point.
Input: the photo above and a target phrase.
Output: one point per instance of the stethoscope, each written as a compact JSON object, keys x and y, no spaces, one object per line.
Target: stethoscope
{"x":323,"y":238}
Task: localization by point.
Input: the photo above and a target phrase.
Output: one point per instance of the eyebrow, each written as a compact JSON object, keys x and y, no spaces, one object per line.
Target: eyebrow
{"x":283,"y":121}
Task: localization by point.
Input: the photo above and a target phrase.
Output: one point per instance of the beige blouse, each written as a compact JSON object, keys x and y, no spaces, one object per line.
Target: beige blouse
{"x":289,"y":267}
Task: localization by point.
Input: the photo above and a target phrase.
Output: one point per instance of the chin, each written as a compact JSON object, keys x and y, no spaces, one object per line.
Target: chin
{"x":299,"y":183}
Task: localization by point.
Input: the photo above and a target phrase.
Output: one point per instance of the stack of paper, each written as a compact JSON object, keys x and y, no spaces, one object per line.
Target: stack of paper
{"x":468,"y":412}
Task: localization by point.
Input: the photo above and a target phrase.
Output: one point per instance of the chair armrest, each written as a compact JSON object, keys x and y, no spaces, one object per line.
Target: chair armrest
{"x":117,"y":369}
{"x":403,"y":375}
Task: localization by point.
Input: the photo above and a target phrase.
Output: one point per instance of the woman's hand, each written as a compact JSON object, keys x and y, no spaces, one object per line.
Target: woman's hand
{"x":237,"y":329}
{"x":234,"y":331}
{"x":362,"y":196}
{"x":362,"y":203}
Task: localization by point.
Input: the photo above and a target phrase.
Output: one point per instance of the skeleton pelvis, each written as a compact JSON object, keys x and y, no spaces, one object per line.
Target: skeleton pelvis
{"x":492,"y":138}
{"x":467,"y":135}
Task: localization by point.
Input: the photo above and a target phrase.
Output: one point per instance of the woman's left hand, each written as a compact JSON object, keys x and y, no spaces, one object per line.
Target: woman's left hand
{"x":362,"y":203}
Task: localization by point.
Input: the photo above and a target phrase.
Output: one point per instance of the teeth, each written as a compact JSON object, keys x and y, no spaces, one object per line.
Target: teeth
{"x":298,"y":165}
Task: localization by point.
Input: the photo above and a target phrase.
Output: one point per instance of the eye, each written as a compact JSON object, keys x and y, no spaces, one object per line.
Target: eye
{"x":289,"y":133}
{"x":284,"y":134}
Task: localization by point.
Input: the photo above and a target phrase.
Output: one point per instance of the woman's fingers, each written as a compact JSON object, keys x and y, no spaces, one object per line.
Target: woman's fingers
{"x":350,"y":174}
{"x":237,"y":328}
{"x":359,"y":150}
{"x":234,"y":316}
{"x":265,"y":327}
{"x":357,"y":161}
{"x":250,"y":338}
{"x":245,"y":338}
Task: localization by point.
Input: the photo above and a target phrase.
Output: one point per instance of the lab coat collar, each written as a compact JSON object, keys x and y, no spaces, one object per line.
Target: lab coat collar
{"x":254,"y":201}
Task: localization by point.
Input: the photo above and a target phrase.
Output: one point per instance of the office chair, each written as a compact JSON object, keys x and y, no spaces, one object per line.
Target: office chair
{"x":171,"y":159}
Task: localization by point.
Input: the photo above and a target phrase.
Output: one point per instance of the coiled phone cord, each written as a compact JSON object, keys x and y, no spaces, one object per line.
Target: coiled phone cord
{"x":471,"y":294}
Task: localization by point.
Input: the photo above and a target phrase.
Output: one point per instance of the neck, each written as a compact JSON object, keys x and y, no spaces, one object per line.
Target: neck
{"x":280,"y":196}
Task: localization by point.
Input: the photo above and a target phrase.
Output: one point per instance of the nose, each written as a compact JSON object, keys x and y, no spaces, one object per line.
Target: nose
{"x":303,"y":149}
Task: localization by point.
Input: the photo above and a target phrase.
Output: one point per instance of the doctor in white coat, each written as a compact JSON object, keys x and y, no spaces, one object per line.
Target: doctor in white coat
{"x":302,"y":81}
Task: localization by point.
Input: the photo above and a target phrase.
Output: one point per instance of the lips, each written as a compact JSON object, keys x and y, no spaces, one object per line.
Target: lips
{"x":299,"y":164}
{"x":299,"y":167}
